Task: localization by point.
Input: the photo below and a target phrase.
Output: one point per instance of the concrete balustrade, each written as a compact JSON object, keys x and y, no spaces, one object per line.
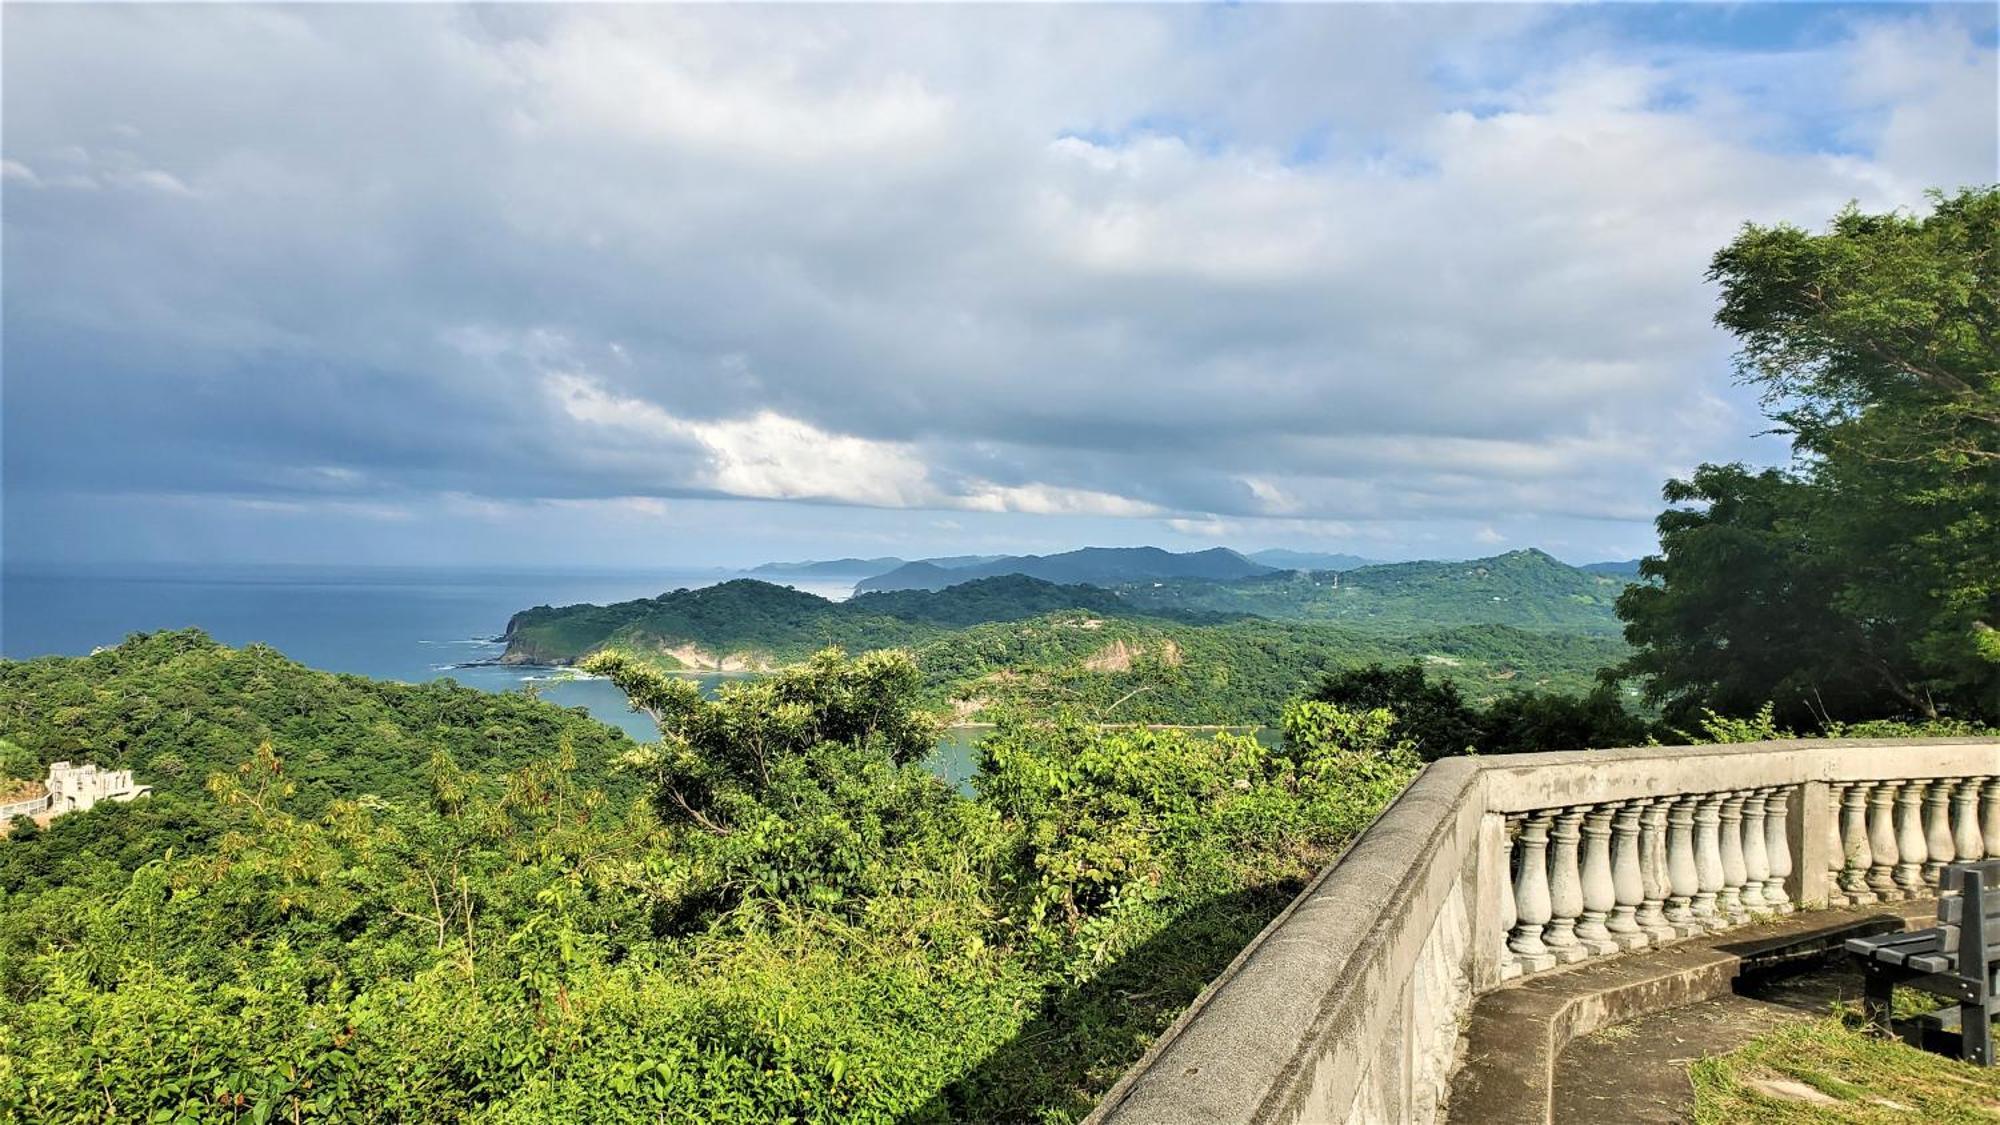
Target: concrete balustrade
{"x":1489,"y":870}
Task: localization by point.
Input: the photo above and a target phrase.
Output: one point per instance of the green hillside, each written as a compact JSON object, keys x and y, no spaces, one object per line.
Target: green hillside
{"x":1524,"y":589}
{"x":751,"y":624}
{"x":1141,"y":670}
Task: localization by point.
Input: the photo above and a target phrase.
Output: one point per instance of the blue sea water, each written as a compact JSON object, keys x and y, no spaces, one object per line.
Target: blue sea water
{"x":409,"y":624}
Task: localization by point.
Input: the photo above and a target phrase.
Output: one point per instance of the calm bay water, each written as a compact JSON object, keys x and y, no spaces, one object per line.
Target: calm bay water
{"x":409,"y":624}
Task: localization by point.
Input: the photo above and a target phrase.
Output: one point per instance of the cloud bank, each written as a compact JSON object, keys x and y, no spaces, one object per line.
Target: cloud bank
{"x":705,"y":279}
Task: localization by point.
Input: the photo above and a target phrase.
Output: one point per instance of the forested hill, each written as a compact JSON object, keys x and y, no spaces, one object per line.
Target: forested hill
{"x":749,"y":624}
{"x":174,"y":707}
{"x":1097,"y":566}
{"x":1525,"y":589}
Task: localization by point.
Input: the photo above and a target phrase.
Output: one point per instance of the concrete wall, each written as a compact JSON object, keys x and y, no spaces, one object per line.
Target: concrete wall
{"x":1347,"y":1006}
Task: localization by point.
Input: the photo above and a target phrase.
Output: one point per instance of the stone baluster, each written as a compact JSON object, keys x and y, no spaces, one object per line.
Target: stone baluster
{"x":1857,"y":845}
{"x":1532,"y":906}
{"x":1910,"y":845}
{"x":1778,"y":849}
{"x":1756,"y":861}
{"x":1966,"y":844}
{"x":1836,"y":848}
{"x":1708,"y":860}
{"x":1683,"y":873}
{"x":1565,"y":887}
{"x":1989,"y":816}
{"x":1882,"y":841}
{"x":1628,"y":884}
{"x":1938,"y":844}
{"x":1510,"y":964}
{"x":1600,"y":893}
{"x":1654,"y":881}
{"x":1729,"y":829}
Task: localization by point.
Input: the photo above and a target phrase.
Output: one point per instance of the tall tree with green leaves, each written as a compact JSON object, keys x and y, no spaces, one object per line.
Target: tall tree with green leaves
{"x":1864,"y":580}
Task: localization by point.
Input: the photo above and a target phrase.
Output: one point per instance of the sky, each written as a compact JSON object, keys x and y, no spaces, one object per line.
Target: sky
{"x":712,"y":285}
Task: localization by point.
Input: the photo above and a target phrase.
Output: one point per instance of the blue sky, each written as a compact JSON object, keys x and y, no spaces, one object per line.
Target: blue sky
{"x":710,"y":285}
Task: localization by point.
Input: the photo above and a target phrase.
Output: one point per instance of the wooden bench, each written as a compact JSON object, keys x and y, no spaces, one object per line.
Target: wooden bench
{"x":1955,"y":959}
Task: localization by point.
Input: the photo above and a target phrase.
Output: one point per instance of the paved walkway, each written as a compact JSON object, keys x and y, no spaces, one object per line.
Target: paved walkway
{"x":1637,"y":1072}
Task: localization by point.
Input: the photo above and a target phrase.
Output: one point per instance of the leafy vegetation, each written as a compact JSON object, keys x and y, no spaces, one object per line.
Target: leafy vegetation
{"x":1864,"y":581}
{"x":794,"y":924}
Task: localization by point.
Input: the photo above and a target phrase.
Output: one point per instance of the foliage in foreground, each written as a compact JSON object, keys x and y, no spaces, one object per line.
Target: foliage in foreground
{"x":798,"y":926}
{"x":1849,"y":1076}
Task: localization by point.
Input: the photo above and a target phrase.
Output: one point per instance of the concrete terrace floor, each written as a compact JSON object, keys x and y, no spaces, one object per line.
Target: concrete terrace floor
{"x":1637,"y":1072}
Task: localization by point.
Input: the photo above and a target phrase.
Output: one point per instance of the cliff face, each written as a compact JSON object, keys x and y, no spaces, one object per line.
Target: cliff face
{"x":529,"y":642}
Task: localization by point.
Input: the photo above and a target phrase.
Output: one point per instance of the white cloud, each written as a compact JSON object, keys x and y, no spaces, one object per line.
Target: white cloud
{"x":766,"y":455}
{"x":769,"y":456}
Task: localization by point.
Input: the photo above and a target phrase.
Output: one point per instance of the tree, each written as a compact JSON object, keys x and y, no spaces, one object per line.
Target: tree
{"x":1864,"y":581}
{"x":1434,"y":717}
{"x":1531,"y":722}
{"x":713,"y":754}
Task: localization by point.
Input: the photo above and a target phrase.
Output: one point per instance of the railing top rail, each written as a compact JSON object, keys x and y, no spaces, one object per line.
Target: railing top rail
{"x":1521,"y":782}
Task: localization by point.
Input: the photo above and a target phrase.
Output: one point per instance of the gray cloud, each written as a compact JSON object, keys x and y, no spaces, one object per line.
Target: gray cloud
{"x":1285,"y":271}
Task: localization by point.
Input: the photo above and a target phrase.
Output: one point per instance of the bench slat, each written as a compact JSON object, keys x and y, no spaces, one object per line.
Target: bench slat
{"x":1897,"y":949}
{"x":1889,"y":941}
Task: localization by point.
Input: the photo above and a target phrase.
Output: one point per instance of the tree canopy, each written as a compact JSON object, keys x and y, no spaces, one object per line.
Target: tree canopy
{"x":1863,"y":580}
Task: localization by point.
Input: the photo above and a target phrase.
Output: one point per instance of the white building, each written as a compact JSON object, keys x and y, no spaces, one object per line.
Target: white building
{"x":75,"y":788}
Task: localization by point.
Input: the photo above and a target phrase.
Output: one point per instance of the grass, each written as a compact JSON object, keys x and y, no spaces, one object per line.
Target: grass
{"x":1827,"y":1071}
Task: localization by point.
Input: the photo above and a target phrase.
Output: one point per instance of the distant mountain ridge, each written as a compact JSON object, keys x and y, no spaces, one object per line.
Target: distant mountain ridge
{"x":1285,"y":559}
{"x":1624,"y":568}
{"x":1095,"y":566}
{"x":860,"y":568}
{"x":829,"y":568}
